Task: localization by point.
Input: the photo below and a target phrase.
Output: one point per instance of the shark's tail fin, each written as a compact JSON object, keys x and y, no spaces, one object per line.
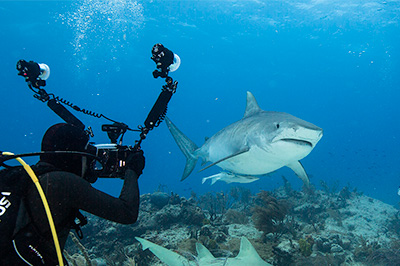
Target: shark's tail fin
{"x":187,"y":146}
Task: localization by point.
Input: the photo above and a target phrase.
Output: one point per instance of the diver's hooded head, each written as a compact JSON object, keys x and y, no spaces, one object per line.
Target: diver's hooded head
{"x":64,"y":137}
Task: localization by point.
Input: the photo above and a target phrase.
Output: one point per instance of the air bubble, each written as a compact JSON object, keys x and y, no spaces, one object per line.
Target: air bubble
{"x":100,"y":25}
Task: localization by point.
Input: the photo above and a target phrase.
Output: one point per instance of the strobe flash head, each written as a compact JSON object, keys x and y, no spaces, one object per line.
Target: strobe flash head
{"x":44,"y":71}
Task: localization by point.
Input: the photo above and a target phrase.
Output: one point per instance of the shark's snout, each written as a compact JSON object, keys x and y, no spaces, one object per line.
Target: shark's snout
{"x":301,"y":136}
{"x":321,"y":133}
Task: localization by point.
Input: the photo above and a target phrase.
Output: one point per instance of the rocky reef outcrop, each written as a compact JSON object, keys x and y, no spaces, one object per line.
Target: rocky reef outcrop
{"x":286,"y":227}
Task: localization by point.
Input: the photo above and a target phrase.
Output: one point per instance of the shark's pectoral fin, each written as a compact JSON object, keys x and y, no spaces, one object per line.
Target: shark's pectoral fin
{"x":300,"y":172}
{"x":226,"y":158}
{"x":167,"y":256}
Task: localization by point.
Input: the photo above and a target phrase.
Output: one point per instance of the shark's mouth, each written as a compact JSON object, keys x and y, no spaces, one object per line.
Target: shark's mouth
{"x":298,"y":142}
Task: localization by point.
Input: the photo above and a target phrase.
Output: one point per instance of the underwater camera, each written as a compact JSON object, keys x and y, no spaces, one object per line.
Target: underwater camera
{"x":106,"y":160}
{"x":111,"y":159}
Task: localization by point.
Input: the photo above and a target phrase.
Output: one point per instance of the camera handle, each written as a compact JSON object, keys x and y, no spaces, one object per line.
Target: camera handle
{"x":158,"y":112}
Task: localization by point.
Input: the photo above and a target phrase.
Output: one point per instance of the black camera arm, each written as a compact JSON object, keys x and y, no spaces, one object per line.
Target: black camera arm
{"x":158,"y":112}
{"x":164,"y":58}
{"x":31,"y":72}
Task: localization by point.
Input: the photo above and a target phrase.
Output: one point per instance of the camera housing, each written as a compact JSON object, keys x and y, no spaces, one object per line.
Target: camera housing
{"x":112,"y":160}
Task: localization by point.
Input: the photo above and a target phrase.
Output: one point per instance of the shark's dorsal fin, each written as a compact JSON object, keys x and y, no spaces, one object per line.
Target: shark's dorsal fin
{"x":251,"y":106}
{"x":248,"y":251}
{"x":246,"y":149}
{"x":203,"y":253}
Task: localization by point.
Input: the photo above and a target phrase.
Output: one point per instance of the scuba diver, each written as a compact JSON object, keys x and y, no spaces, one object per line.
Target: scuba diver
{"x":36,"y":217}
{"x":66,"y":184}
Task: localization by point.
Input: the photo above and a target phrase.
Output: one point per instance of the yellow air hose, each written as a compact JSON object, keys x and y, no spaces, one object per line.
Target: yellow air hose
{"x":35,"y":180}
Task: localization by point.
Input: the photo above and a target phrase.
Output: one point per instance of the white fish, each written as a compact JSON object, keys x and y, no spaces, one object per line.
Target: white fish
{"x":230,"y":178}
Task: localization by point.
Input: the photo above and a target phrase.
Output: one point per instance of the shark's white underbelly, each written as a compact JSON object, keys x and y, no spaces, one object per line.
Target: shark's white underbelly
{"x":254,"y":162}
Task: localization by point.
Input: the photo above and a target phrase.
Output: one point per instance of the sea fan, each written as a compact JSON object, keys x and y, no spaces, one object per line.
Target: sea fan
{"x":269,"y":213}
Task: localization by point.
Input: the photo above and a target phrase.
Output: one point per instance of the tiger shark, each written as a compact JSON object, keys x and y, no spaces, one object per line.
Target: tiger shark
{"x":247,"y":255}
{"x":259,"y":143}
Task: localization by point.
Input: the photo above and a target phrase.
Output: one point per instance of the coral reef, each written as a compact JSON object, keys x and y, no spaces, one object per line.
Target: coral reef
{"x":215,"y":204}
{"x":269,"y":213}
{"x":236,"y":217}
{"x":159,"y":199}
{"x":286,"y":227}
{"x":305,"y":247}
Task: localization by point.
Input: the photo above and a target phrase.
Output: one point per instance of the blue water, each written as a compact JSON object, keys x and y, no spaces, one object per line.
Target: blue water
{"x":333,"y":63}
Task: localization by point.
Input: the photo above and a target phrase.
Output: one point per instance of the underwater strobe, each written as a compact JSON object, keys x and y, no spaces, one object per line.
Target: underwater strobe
{"x":34,"y":73}
{"x":165,"y":59}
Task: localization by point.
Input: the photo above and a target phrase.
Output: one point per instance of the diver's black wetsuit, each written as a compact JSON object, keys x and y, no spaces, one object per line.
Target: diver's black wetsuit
{"x":67,"y":193}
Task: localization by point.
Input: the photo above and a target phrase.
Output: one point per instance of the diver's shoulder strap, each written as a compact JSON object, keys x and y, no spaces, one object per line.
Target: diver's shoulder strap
{"x":24,"y":215}
{"x":14,"y":185}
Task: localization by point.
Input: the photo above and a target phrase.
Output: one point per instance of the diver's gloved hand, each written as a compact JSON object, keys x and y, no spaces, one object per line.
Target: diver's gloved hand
{"x":136,"y":162}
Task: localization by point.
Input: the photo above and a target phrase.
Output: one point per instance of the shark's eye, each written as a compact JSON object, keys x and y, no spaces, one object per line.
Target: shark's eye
{"x":277,"y":125}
